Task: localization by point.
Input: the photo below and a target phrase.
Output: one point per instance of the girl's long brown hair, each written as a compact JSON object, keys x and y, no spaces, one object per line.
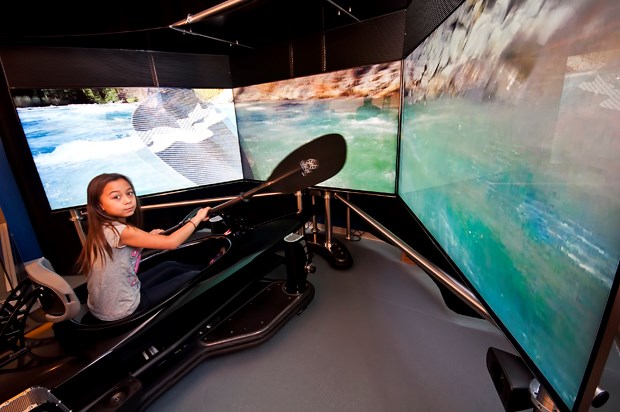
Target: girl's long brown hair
{"x":96,"y":245}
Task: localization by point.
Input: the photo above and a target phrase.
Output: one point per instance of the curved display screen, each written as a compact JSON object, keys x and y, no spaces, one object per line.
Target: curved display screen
{"x":509,"y":157}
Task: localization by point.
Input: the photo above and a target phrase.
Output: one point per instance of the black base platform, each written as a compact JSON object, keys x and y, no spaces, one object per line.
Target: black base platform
{"x":337,"y":255}
{"x":251,"y":318}
{"x":256,"y":320}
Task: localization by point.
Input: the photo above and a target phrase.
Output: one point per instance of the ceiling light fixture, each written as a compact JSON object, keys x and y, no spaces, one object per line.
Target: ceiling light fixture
{"x":340,"y":9}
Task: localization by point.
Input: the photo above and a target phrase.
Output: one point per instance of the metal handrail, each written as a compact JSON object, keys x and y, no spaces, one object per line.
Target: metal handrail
{"x":455,"y":286}
{"x":77,"y":215}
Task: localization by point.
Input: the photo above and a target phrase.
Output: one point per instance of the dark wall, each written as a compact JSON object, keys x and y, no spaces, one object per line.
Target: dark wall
{"x":373,"y":41}
{"x":383,"y":39}
{"x":56,"y":67}
{"x":423,"y":16}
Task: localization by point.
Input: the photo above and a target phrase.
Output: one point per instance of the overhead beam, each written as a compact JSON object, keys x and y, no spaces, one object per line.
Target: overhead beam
{"x":212,"y":11}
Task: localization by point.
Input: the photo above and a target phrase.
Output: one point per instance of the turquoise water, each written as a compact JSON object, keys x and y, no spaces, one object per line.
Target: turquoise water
{"x":268,"y":132}
{"x":535,"y":233}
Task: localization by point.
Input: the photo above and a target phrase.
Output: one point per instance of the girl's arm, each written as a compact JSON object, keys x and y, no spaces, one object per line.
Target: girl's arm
{"x":132,"y":236}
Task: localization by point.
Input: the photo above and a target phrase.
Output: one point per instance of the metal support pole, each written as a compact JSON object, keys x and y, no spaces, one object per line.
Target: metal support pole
{"x":76,"y":218}
{"x":328,"y":221}
{"x":348,"y":228}
{"x":315,"y":229}
{"x":300,"y":206}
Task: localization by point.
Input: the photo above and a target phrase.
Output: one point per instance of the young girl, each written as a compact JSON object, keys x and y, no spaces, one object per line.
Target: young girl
{"x":111,"y":254}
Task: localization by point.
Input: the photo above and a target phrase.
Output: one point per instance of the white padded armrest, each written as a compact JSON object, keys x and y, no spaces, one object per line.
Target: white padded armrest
{"x":41,"y":272}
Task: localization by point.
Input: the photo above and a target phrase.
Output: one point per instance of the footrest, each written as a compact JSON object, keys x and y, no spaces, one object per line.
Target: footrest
{"x":258,"y":319}
{"x":336,"y":254}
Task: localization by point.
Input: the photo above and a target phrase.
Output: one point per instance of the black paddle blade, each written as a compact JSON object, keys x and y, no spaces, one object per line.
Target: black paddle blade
{"x":310,"y":164}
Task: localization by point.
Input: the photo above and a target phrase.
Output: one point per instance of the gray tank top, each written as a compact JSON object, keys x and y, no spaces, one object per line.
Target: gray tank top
{"x":113,"y":286}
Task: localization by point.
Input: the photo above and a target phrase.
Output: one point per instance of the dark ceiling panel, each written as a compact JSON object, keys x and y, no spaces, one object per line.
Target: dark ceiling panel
{"x":195,"y":70}
{"x":423,"y":16}
{"x":45,"y":67}
{"x":144,"y":24}
{"x":270,"y":64}
{"x":378,"y":40}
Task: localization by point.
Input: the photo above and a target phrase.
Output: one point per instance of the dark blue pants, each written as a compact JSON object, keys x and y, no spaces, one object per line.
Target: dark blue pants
{"x":161,"y":281}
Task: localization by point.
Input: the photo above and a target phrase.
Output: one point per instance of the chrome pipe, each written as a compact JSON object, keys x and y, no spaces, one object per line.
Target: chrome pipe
{"x":76,"y":217}
{"x":299,"y":196}
{"x":300,"y":207}
{"x":348,"y":217}
{"x":211,"y":11}
{"x":328,"y":222}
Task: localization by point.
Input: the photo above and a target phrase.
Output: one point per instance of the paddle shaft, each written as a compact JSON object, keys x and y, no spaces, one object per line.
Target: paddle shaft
{"x":247,"y":195}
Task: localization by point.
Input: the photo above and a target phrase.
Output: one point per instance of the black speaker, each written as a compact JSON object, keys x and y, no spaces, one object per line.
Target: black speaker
{"x":297,"y":261}
{"x":511,"y":379}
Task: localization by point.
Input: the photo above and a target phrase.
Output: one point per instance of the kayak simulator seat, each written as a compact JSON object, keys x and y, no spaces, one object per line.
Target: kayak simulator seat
{"x":205,"y":252}
{"x":57,"y":298}
{"x":45,"y":296}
